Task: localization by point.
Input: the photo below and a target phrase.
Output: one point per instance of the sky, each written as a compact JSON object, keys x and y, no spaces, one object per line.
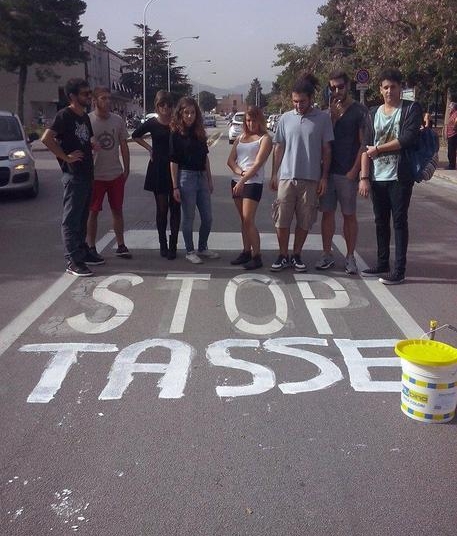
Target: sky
{"x":238,"y":36}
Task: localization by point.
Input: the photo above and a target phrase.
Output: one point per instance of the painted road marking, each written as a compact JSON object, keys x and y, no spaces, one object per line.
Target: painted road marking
{"x":141,"y":239}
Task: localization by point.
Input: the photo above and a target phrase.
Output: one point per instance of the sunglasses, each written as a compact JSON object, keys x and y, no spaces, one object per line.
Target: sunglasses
{"x":164,"y":105}
{"x":339,"y":86}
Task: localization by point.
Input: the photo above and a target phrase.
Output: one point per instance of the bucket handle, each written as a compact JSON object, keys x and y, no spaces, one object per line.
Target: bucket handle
{"x":434,"y":328}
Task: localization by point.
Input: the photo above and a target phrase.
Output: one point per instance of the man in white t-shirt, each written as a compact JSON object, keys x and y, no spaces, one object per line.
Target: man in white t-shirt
{"x":110,"y":133}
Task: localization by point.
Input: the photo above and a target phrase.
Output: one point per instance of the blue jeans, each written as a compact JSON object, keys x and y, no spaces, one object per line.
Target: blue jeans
{"x":77,"y":192}
{"x":194,"y":189}
{"x":391,"y":199}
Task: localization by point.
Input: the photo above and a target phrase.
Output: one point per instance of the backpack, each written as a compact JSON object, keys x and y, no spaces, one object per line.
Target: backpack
{"x":423,"y":158}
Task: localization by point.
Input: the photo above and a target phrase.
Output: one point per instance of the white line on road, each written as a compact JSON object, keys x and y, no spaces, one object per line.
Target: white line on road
{"x":24,"y":320}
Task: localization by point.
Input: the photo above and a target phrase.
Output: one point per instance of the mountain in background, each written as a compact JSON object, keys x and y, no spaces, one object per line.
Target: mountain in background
{"x":242,"y":88}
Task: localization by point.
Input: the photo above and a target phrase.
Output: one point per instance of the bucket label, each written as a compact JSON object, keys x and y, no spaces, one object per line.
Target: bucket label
{"x":414,"y":395}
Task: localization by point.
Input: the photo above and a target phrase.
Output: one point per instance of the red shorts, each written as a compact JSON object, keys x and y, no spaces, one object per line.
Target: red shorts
{"x":114,"y":189}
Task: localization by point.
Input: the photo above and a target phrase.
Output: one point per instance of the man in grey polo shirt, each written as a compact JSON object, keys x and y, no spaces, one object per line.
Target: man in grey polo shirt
{"x":301,"y":162}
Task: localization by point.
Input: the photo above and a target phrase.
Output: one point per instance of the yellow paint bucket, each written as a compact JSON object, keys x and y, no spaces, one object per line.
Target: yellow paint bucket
{"x":429,"y":380}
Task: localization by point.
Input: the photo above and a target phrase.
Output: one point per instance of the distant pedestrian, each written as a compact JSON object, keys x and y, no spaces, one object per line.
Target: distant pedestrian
{"x":396,"y":127}
{"x":191,"y":176}
{"x":350,"y":121}
{"x":247,"y":161}
{"x":111,"y":135}
{"x":451,"y":132}
{"x":158,"y":177}
{"x":70,"y":138}
{"x":301,"y":163}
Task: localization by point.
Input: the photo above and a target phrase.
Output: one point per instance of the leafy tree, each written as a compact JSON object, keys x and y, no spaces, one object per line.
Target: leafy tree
{"x":101,"y":38}
{"x":417,"y":37}
{"x":39,"y":31}
{"x":255,"y":97}
{"x":156,"y":67}
{"x":207,"y":101}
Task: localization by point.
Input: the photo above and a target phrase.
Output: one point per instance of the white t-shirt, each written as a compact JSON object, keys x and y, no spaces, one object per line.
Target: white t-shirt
{"x":108,"y":133}
{"x":246,"y":153}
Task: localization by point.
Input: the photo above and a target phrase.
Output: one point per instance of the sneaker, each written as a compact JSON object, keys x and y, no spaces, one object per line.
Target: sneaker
{"x":192,"y":257}
{"x":392,"y":278}
{"x":243,"y":258}
{"x":375,"y":271}
{"x":208,"y":254}
{"x":92,"y":258}
{"x":297,"y":264}
{"x":78,"y":269}
{"x":122,"y":251}
{"x":351,"y":266}
{"x":325,"y":262}
{"x":280,"y":263}
{"x":254,"y":263}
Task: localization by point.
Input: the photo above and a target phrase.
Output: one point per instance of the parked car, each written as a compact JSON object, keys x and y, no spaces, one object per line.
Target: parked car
{"x":209,"y":120}
{"x":236,"y":126}
{"x":17,"y":165}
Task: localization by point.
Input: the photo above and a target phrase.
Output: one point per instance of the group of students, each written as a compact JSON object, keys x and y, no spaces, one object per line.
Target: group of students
{"x":320,"y":158}
{"x":179,"y":175}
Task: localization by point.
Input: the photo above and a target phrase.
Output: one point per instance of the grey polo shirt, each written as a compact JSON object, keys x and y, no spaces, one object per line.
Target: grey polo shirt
{"x":302,"y":137}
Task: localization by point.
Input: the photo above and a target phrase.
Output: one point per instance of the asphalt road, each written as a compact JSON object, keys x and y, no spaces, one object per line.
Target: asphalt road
{"x":163,"y":398}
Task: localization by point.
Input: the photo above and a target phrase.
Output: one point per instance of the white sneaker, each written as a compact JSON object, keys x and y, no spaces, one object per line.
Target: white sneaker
{"x":351,"y":265}
{"x":193,"y":258}
{"x":208,"y":254}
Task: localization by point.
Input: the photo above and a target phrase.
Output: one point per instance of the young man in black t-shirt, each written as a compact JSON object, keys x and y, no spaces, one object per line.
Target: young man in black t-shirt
{"x":70,"y":139}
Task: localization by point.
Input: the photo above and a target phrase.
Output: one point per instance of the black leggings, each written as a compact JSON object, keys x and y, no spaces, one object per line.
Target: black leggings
{"x":165,"y":202}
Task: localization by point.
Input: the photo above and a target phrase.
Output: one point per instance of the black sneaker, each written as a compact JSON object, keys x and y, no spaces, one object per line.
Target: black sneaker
{"x":92,"y":258}
{"x":392,"y":278}
{"x":298,"y":264}
{"x":78,"y":269}
{"x":243,"y":258}
{"x":254,"y":263}
{"x":122,"y":251}
{"x":375,"y":271}
{"x":280,"y":263}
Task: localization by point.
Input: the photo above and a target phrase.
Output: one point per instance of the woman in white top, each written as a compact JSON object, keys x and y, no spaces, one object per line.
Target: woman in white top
{"x":247,"y":160}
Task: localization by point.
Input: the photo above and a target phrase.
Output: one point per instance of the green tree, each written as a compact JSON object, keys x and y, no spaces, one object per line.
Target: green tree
{"x":207,"y":101}
{"x":255,"y":97}
{"x":156,"y":67}
{"x":101,"y":38}
{"x":39,"y":31}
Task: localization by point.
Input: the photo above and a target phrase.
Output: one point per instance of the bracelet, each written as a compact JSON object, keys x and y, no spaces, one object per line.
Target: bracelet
{"x":377,"y":150}
{"x":364,"y":178}
{"x":175,"y":187}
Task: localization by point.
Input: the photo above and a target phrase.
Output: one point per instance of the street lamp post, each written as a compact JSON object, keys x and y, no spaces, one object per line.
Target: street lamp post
{"x":144,"y":56}
{"x":168,"y":55}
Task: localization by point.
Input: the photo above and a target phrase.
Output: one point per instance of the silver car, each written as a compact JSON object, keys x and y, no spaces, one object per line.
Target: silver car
{"x":236,"y":126}
{"x":17,"y":165}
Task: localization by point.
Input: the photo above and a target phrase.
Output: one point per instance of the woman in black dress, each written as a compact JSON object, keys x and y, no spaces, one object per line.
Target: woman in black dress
{"x":158,"y":178}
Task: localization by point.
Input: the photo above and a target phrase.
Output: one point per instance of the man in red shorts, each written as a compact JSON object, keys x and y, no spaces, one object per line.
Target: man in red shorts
{"x":110,"y":133}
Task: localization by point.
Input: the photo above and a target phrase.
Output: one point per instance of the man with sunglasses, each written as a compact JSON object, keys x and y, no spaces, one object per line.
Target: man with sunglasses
{"x":350,"y":121}
{"x":70,"y":139}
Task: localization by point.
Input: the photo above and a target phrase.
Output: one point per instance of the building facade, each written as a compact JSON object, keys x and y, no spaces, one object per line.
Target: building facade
{"x":44,"y":92}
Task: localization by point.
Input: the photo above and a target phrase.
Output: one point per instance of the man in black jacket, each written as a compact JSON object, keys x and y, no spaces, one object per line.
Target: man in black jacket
{"x":396,"y":126}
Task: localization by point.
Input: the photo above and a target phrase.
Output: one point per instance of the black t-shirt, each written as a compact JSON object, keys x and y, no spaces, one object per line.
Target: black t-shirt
{"x":347,"y":142}
{"x":74,"y":133}
{"x":188,"y":152}
{"x":158,"y":178}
